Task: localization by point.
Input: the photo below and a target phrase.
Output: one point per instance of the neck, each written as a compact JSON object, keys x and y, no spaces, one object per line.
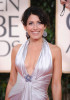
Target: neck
{"x":36,"y":41}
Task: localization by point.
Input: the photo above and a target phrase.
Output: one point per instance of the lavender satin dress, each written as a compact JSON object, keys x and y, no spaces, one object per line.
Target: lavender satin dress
{"x":32,"y":87}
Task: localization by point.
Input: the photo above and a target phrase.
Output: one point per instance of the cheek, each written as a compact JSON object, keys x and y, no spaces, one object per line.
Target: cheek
{"x":42,"y":27}
{"x":28,"y":28}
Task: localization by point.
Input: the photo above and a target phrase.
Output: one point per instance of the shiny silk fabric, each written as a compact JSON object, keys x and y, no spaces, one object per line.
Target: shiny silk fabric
{"x":36,"y":87}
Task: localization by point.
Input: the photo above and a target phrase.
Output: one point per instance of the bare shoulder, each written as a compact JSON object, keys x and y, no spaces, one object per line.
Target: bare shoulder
{"x":54,"y":47}
{"x":55,"y":50}
{"x":15,"y":49}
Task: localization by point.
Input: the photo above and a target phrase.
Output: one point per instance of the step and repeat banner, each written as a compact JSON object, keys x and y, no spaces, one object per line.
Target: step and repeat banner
{"x":13,"y":33}
{"x":11,"y":29}
{"x":63,"y":32}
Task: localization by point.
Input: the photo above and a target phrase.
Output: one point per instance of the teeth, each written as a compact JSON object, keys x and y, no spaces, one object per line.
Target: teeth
{"x":35,"y":32}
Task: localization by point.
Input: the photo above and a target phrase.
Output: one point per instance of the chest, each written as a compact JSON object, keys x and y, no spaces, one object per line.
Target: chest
{"x":38,"y":61}
{"x":31,"y":59}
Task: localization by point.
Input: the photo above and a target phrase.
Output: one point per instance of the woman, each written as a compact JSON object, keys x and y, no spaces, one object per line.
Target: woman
{"x":35,"y":62}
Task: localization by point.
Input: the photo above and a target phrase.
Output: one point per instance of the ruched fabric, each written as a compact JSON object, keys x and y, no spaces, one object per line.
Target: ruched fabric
{"x":35,"y":86}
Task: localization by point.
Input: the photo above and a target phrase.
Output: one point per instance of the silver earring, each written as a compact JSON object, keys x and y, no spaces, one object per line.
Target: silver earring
{"x":44,"y":34}
{"x":27,"y":35}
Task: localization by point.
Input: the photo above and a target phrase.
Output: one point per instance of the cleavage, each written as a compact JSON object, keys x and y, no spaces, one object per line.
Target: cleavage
{"x":31,"y":60}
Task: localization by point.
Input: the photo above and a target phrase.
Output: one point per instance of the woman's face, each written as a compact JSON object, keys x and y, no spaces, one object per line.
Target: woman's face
{"x":34,"y":27}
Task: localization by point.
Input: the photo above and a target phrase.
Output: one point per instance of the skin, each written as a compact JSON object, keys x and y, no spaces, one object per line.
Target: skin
{"x":67,"y":5}
{"x":35,"y":29}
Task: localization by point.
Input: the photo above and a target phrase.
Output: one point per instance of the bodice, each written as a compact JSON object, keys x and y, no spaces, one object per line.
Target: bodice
{"x":33,"y":87}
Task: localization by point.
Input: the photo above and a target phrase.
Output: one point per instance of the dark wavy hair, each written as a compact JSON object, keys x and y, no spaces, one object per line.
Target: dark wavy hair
{"x":36,"y":11}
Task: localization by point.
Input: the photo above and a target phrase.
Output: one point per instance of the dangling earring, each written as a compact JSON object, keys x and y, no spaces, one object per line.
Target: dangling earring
{"x":27,"y":35}
{"x":44,"y":34}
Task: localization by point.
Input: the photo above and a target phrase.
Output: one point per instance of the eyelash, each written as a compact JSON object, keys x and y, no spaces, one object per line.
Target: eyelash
{"x":39,"y":22}
{"x":30,"y":23}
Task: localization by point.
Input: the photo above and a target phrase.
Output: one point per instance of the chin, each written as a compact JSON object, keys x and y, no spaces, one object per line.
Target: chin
{"x":36,"y":38}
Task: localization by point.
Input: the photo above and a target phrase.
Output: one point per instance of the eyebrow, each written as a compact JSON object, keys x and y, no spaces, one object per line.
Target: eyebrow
{"x":37,"y":21}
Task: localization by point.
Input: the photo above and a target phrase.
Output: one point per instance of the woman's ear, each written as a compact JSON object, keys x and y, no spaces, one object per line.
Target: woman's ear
{"x":44,"y":27}
{"x":24,"y":27}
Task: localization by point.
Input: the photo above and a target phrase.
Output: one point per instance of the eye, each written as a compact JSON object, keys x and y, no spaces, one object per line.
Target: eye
{"x":39,"y":22}
{"x":30,"y":23}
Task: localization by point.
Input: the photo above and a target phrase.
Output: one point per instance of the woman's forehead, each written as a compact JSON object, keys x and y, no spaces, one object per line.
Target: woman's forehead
{"x":33,"y":17}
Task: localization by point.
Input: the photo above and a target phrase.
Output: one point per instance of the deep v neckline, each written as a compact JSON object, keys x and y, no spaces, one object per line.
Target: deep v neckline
{"x":35,"y":67}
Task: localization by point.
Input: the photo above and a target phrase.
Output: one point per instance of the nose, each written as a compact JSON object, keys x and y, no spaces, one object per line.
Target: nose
{"x":35,"y":26}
